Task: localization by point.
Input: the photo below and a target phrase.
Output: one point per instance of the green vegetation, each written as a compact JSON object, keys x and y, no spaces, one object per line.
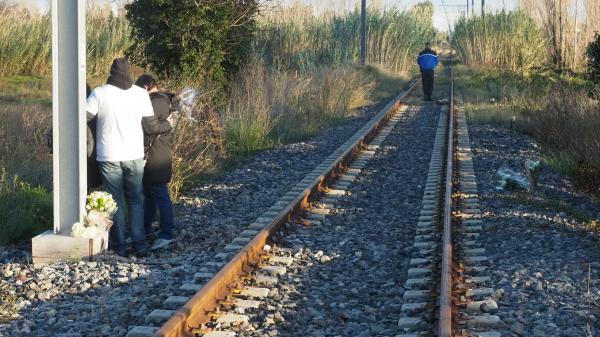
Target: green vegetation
{"x":593,"y":59}
{"x":294,"y":78}
{"x":286,"y":107}
{"x":505,"y":41}
{"x":26,"y":38}
{"x":555,"y":109}
{"x":191,"y":39}
{"x":296,"y":39}
{"x":511,"y":80}
{"x":24,"y":210}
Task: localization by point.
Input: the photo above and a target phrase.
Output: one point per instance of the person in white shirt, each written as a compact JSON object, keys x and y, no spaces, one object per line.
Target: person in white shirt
{"x":122,"y":112}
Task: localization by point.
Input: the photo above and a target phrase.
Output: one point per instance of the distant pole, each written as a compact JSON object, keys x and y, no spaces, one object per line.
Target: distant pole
{"x":482,"y":8}
{"x":467,"y":12}
{"x":472,"y":7}
{"x":363,"y":32}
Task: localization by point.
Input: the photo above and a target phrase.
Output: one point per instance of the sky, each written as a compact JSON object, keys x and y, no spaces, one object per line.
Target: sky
{"x":441,"y":18}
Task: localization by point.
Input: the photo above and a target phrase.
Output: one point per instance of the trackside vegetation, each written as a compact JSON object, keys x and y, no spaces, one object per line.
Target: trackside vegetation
{"x":510,"y":79}
{"x":279,"y":77}
{"x":506,"y":41}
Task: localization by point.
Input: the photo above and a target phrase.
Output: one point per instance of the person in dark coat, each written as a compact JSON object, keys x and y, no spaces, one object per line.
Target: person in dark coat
{"x":427,"y":61}
{"x":159,"y":166}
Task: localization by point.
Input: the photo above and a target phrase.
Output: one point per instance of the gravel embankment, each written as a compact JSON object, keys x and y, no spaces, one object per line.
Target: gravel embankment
{"x":347,"y":275}
{"x":545,"y":261}
{"x":107,"y":297}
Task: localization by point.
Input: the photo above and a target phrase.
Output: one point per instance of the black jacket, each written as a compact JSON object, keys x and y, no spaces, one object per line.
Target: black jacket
{"x":157,"y":142}
{"x":93,"y":172}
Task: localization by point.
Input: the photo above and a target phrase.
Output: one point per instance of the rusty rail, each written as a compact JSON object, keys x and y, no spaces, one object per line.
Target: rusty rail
{"x":195,"y":312}
{"x":445,"y":314}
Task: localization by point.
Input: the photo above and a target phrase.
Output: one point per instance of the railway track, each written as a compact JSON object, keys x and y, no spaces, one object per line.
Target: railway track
{"x":447,"y":290}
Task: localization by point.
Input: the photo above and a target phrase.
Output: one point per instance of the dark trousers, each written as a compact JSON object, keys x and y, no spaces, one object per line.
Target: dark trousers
{"x":157,"y":196}
{"x":427,"y":77}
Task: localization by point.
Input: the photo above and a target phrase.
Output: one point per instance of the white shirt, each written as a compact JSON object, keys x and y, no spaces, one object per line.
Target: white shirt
{"x":119,"y":113}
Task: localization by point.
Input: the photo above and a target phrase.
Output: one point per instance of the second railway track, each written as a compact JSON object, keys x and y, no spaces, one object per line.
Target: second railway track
{"x":445,"y":291}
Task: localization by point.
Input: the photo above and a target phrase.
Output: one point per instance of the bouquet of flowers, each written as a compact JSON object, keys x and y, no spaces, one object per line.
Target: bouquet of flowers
{"x":101,"y":202}
{"x":100,"y":208}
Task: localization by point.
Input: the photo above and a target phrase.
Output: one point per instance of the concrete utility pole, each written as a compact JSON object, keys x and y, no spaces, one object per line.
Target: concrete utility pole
{"x":69,"y":138}
{"x":68,"y":113}
{"x":363,"y":32}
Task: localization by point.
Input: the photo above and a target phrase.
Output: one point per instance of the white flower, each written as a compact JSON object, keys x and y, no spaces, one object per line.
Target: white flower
{"x":78,"y":230}
{"x":86,"y":232}
{"x":101,"y":202}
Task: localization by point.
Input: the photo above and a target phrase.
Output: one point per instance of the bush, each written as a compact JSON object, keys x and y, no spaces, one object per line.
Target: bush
{"x":190,"y":39}
{"x":25,"y":211}
{"x":593,"y":59}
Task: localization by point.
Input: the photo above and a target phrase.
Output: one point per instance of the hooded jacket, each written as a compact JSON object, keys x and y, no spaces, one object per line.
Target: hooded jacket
{"x":159,"y":161}
{"x":428,"y":59}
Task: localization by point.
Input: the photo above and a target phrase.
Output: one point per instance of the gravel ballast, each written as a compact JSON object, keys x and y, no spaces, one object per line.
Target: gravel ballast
{"x":543,"y":258}
{"x":348,"y":272}
{"x":109,"y":296}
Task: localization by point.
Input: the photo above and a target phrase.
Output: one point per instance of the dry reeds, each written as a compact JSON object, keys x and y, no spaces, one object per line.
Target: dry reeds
{"x":503,"y":41}
{"x":298,"y":39}
{"x":26,"y":41}
{"x":270,"y":106}
{"x":568,"y":125}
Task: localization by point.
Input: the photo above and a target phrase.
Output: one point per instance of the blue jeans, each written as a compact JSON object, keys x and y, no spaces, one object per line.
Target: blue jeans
{"x":157,"y":196}
{"x":123,"y":180}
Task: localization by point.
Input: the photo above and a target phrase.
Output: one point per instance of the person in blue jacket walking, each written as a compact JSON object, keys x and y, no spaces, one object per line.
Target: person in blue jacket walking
{"x":427,"y":61}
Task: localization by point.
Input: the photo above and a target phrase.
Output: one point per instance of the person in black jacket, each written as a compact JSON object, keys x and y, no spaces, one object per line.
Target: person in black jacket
{"x":158,"y":170}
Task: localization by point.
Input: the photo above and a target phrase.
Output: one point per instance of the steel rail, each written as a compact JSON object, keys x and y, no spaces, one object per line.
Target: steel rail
{"x":196,"y":311}
{"x":445,"y":306}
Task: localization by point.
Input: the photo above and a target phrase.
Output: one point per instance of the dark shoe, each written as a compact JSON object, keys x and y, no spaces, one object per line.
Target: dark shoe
{"x":141,"y":254}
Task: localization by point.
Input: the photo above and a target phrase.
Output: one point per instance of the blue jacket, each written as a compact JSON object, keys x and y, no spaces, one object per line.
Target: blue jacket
{"x":428,"y":59}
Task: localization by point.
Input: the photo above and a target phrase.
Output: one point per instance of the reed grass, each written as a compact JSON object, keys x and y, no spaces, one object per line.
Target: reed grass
{"x":509,"y":41}
{"x":298,"y":39}
{"x":26,"y":41}
{"x":269,"y":107}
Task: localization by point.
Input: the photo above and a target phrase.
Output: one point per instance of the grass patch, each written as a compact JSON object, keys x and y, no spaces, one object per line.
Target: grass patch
{"x":24,"y":210}
{"x":542,"y":202}
{"x":26,"y":89}
{"x":298,"y":39}
{"x":562,"y":162}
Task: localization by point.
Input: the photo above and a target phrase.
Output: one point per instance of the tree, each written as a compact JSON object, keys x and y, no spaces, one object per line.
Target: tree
{"x":190,"y":39}
{"x":593,"y":59}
